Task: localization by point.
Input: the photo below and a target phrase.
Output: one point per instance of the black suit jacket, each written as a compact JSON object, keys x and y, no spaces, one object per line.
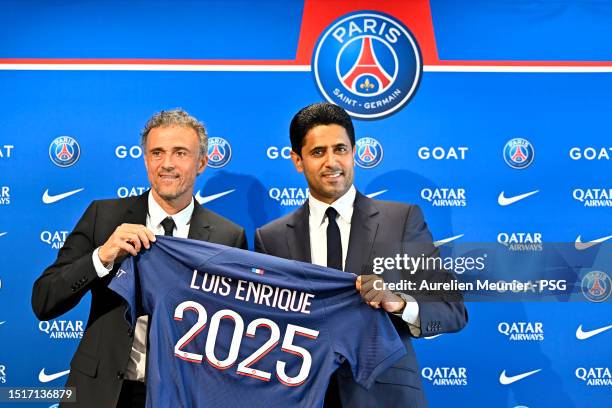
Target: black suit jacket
{"x":378,"y":229}
{"x":98,"y":366}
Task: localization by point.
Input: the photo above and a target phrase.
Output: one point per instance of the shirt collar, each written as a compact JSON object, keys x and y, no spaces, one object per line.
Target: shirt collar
{"x":344,"y":206}
{"x":157,"y":214}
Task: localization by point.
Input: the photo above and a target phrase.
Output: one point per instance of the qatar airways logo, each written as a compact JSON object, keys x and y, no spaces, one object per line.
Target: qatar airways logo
{"x":521,"y":241}
{"x":131,"y":191}
{"x":289,"y":196}
{"x":5,"y":195}
{"x":55,"y":239}
{"x":522,"y":331}
{"x":5,"y":151}
{"x":444,"y":197}
{"x":446,"y":376}
{"x":595,"y":376}
{"x":593,"y":197}
{"x":62,"y":329}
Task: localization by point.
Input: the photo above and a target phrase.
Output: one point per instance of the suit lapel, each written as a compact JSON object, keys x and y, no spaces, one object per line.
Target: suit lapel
{"x":364,"y":226}
{"x":199,"y":226}
{"x":137,"y":212}
{"x":298,"y":235}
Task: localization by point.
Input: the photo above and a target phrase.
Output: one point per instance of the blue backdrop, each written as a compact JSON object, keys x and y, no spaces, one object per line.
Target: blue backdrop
{"x":563,"y":114}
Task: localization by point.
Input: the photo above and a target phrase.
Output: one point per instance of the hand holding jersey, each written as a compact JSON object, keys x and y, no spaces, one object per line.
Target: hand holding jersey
{"x":126,"y":239}
{"x":378,"y":298}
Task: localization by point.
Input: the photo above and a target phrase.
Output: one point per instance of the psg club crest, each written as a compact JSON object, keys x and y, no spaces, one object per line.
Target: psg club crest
{"x":596,"y":286}
{"x":369,"y":152}
{"x":368,"y":63}
{"x":518,"y":153}
{"x":219,"y":152}
{"x":64,"y":151}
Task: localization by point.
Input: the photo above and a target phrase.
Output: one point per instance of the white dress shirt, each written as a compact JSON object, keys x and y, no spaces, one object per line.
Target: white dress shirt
{"x":318,"y":244}
{"x":137,"y":363}
{"x":318,"y":225}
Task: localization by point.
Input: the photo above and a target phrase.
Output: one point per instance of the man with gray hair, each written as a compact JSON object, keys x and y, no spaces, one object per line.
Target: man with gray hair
{"x":109,"y":366}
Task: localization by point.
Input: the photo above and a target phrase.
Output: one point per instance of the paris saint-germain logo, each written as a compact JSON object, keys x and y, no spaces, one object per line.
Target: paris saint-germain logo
{"x":369,"y":152}
{"x":518,"y":153}
{"x":219,"y":152}
{"x":64,"y":151}
{"x":368,"y":63}
{"x":596,"y":286}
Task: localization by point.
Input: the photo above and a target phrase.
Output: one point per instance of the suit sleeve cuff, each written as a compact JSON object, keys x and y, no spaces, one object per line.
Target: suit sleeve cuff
{"x":410,"y":314}
{"x":101,"y":270}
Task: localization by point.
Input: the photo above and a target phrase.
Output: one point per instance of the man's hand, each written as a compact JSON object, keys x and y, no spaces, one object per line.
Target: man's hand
{"x":127,"y":239}
{"x":386,"y":299}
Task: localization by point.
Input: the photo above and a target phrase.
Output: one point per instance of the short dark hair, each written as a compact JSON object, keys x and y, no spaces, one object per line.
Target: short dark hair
{"x":318,"y":114}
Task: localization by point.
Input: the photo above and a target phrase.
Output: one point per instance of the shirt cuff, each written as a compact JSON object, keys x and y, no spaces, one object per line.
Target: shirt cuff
{"x":411,"y":314}
{"x":101,"y":270}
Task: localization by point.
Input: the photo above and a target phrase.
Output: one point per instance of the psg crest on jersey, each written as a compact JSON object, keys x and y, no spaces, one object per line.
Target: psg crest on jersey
{"x":369,"y":152}
{"x":596,"y":286}
{"x":64,"y":151}
{"x":368,"y":63}
{"x":219,"y":152}
{"x":518,"y":153}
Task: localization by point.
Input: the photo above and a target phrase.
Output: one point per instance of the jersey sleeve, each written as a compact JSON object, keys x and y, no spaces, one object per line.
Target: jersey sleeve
{"x":125,"y":285}
{"x":366,"y":339}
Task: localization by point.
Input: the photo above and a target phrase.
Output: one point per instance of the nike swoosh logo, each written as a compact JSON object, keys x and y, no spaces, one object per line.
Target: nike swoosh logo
{"x":50,"y":199}
{"x":208,"y":199}
{"x":581,"y":246}
{"x":583,"y":335}
{"x":432,"y":337}
{"x":504,"y":201}
{"x":44,"y":378}
{"x":505,"y":380}
{"x":2,"y":322}
{"x":3,"y":234}
{"x":446,"y":240}
{"x":376,"y":194}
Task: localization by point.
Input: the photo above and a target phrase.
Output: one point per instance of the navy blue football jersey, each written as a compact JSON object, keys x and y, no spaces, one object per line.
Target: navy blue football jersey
{"x":233,"y":328}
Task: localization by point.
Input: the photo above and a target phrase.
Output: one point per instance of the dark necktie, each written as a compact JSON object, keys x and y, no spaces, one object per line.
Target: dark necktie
{"x":334,"y":244}
{"x":168,"y":224}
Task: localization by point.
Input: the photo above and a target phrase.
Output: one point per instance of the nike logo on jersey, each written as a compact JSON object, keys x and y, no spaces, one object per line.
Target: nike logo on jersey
{"x":505,"y":380}
{"x":504,"y":201}
{"x":447,"y":240}
{"x":50,"y":199}
{"x":581,"y":246}
{"x":376,"y":194}
{"x":3,"y":234}
{"x":207,"y":199}
{"x":583,"y":335}
{"x":45,"y":378}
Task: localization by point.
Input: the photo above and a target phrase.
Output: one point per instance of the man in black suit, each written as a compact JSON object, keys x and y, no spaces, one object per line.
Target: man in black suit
{"x":108,"y":368}
{"x":341,"y":228}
